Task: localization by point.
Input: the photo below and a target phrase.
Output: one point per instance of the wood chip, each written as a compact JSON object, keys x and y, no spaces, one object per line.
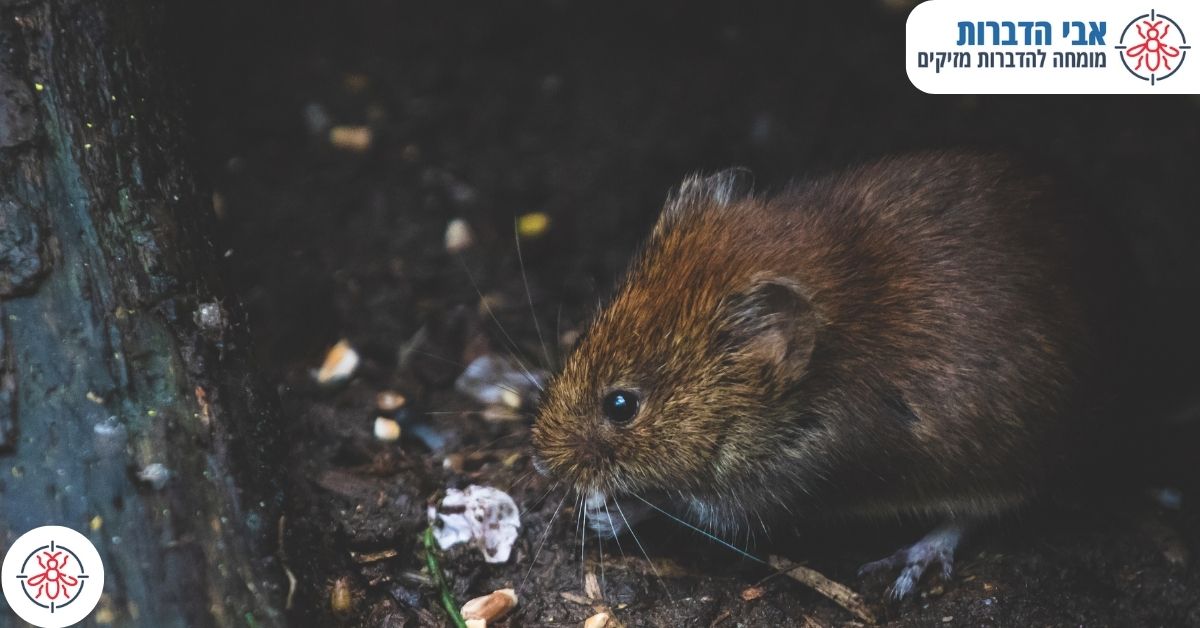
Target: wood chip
{"x":491,"y":606}
{"x":591,"y":586}
{"x":837,"y":592}
{"x":575,"y":598}
{"x":374,"y":557}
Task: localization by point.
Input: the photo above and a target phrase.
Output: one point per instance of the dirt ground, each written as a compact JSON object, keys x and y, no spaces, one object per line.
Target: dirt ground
{"x":589,"y":113}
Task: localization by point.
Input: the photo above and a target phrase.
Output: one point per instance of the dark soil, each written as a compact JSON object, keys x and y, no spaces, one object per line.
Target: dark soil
{"x":590,"y":112}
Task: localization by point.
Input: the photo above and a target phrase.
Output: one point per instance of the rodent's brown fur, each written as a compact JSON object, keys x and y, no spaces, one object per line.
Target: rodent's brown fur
{"x":907,"y":337}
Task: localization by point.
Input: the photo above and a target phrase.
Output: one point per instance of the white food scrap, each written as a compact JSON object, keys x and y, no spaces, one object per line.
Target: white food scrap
{"x":494,"y":381}
{"x":483,"y":516}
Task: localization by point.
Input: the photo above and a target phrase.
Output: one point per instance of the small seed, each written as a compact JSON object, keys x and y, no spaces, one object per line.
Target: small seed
{"x":491,"y":606}
{"x":352,"y":138}
{"x":599,"y":620}
{"x":458,"y":236}
{"x":389,"y":401}
{"x":340,"y":363}
{"x":341,"y":597}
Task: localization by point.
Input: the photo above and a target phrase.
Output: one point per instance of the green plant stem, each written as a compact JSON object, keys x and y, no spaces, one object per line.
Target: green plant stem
{"x":435,"y":571}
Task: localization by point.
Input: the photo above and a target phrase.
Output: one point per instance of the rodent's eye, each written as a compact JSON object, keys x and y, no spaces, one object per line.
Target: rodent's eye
{"x":620,"y":406}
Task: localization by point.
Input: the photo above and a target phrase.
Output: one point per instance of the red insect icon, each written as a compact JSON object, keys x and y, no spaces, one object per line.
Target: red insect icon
{"x":52,"y":583}
{"x":1152,"y":52}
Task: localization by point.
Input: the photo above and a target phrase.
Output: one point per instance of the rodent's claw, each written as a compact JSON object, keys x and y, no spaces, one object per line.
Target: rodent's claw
{"x":937,"y":547}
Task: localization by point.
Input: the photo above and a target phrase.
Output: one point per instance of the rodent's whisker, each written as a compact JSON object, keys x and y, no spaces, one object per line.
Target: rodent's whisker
{"x":513,"y":347}
{"x":582,"y":542}
{"x":613,"y":527}
{"x":542,"y":543}
{"x":643,"y":550}
{"x":701,"y":531}
{"x":529,"y":296}
{"x":463,"y":366}
{"x":538,"y":500}
{"x":600,"y":548}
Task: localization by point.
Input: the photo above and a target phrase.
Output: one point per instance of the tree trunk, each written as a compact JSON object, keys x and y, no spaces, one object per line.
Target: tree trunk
{"x":128,"y":408}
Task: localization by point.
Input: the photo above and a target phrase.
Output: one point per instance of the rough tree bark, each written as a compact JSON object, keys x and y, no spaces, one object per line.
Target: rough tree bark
{"x":128,"y":408}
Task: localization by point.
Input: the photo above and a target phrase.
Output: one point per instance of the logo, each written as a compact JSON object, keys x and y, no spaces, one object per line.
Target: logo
{"x":1152,"y":47}
{"x":52,"y":577}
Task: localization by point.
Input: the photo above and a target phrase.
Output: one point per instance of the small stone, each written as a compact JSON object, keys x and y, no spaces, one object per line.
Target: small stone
{"x":209,"y":316}
{"x":1169,"y":498}
{"x":155,"y":474}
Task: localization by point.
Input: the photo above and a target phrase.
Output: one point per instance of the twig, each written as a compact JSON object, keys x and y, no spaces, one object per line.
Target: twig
{"x":435,"y":571}
{"x":283,"y":560}
{"x":374,"y":557}
{"x":837,"y":592}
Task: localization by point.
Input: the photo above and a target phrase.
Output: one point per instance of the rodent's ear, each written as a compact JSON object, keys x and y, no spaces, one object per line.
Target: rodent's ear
{"x":773,"y":320}
{"x":723,"y":188}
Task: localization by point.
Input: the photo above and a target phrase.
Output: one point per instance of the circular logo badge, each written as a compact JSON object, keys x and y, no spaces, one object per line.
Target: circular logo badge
{"x":1153,"y":47}
{"x":52,"y":577}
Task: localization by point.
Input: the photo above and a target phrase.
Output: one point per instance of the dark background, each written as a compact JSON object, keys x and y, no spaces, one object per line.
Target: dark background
{"x":590,"y":112}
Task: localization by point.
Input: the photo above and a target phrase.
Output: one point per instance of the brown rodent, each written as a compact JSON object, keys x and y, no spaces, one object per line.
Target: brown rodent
{"x":910,"y":337}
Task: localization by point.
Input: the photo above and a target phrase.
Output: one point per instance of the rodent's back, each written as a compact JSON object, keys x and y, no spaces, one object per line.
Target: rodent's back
{"x":951,"y":282}
{"x":942,"y":333}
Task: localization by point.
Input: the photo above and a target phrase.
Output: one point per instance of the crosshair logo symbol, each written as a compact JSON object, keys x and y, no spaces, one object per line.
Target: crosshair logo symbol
{"x":1153,"y":47}
{"x":52,"y":577}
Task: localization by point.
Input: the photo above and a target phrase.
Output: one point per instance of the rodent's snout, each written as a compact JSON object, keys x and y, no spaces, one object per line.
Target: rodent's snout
{"x":570,"y":455}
